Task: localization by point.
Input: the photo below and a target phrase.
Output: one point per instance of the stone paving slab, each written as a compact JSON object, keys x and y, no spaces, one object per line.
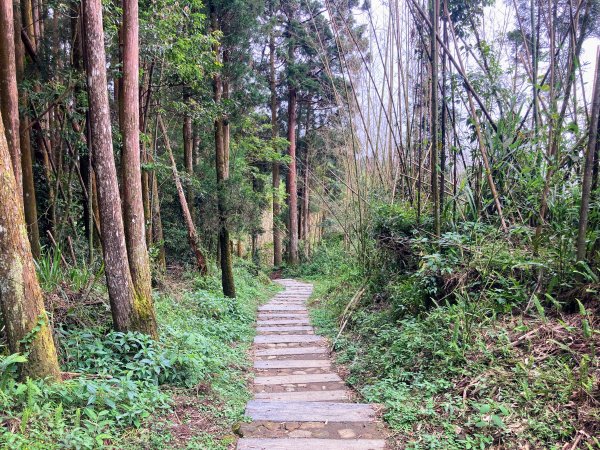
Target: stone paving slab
{"x":292,"y":363}
{"x":287,"y":338}
{"x":280,"y":328}
{"x":297,"y":315}
{"x":309,"y":396}
{"x":298,"y":379}
{"x":290,"y":351}
{"x":309,"y":411}
{"x":268,"y":307}
{"x":310,"y":444}
{"x":298,"y":321}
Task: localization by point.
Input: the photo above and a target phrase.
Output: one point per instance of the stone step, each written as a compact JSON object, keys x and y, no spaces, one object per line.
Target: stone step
{"x":285,"y":328}
{"x":307,"y":396}
{"x":261,"y":323}
{"x":309,"y":411}
{"x":287,"y":338}
{"x":290,"y":351}
{"x":297,"y":379}
{"x":292,"y":364}
{"x":297,"y":315}
{"x":310,"y":444}
{"x":282,"y":308}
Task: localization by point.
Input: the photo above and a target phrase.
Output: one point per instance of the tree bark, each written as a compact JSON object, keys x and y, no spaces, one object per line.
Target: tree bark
{"x":306,"y":208}
{"x":586,"y":189}
{"x":27,"y":327}
{"x":21,"y":13}
{"x":292,"y":184}
{"x":121,"y":290}
{"x":157,"y":230}
{"x":292,"y":174}
{"x":188,"y":157}
{"x":133,"y":207}
{"x":434,"y":17}
{"x":277,"y":245}
{"x":222,"y":171}
{"x":9,"y":96}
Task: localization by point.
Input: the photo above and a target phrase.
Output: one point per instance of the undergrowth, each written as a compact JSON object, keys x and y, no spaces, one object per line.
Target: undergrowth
{"x":125,"y":390}
{"x":468,"y":341}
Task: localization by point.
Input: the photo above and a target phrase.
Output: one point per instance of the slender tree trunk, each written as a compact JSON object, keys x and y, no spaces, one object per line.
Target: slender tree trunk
{"x":434,"y":17}
{"x":21,"y":298}
{"x":9,"y":96}
{"x":157,"y":229}
{"x":118,"y":277}
{"x":277,"y":244}
{"x":291,"y":178}
{"x":226,"y":261}
{"x":21,"y":13}
{"x":221,"y":90}
{"x":133,"y":207}
{"x":192,"y":234}
{"x":306,"y":208}
{"x":586,"y":188}
{"x":292,"y":184}
{"x":444,"y":121}
{"x":188,"y":158}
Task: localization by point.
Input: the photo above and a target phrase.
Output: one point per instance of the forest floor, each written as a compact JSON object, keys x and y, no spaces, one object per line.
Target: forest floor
{"x":526,"y":381}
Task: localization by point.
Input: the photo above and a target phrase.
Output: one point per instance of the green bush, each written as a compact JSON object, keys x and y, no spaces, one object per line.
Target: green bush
{"x":119,"y":380}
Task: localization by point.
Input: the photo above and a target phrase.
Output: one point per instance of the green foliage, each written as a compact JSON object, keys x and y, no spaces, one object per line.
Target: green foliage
{"x":118,"y":381}
{"x":441,"y":341}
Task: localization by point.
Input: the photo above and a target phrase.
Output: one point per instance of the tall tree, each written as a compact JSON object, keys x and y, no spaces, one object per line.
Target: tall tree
{"x":9,"y":105}
{"x":219,"y":17}
{"x":291,"y":136}
{"x":434,"y":55}
{"x":133,"y":207}
{"x":127,"y":312}
{"x":277,"y":244}
{"x":27,"y":327}
{"x":23,"y":15}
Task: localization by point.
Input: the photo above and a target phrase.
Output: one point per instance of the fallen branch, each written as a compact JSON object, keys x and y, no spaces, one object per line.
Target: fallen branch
{"x":347,"y":310}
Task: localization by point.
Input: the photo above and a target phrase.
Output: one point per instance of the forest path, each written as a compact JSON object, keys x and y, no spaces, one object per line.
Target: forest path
{"x":299,"y":401}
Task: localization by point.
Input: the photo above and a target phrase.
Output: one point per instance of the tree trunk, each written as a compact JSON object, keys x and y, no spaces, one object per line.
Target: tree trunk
{"x":226,"y":261}
{"x":27,"y":327}
{"x":221,"y":90}
{"x":188,"y":157}
{"x":9,"y":96}
{"x":586,"y":188}
{"x":434,"y":17}
{"x":21,"y":13}
{"x":277,"y":245}
{"x":306,"y":208}
{"x":292,"y":185}
{"x":133,"y":207}
{"x":118,"y":277}
{"x":192,"y":234}
{"x":157,"y":230}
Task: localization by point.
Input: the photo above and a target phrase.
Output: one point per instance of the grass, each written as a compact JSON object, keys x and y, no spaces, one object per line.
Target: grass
{"x":496,"y":389}
{"x":456,"y":347}
{"x":127,"y":391}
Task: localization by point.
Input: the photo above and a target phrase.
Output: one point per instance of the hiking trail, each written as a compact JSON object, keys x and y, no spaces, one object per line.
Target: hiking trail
{"x":299,"y":401}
